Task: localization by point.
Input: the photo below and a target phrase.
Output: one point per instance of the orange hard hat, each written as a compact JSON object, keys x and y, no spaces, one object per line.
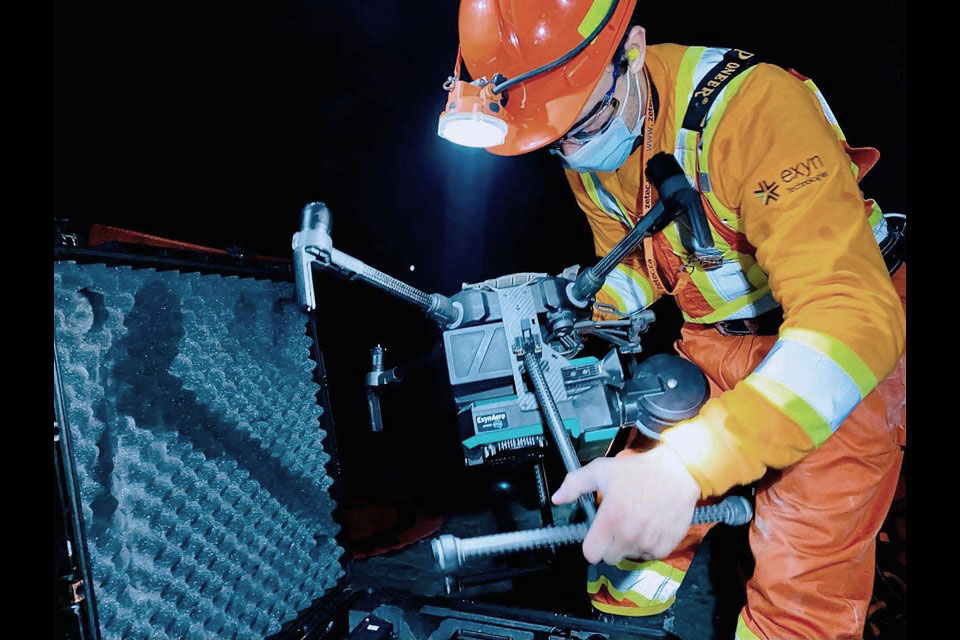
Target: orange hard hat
{"x":511,"y":37}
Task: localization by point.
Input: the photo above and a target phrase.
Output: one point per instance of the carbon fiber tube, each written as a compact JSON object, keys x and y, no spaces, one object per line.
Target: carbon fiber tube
{"x":396,"y":287}
{"x":381,"y":280}
{"x":551,"y":416}
{"x":438,"y":307}
{"x":312,"y":246}
{"x":450,"y":553}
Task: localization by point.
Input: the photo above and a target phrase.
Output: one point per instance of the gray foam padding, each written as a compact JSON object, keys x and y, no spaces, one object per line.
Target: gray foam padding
{"x":193,"y":416}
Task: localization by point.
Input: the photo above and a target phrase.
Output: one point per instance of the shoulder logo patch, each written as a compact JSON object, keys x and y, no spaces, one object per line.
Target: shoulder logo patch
{"x":767,"y":191}
{"x":804,"y":173}
{"x":794,"y":176}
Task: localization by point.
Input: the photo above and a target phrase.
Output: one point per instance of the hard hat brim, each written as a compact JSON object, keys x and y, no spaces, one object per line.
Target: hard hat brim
{"x":534,"y":129}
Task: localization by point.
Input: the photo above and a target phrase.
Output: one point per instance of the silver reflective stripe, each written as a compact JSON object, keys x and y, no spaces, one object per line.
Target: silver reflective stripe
{"x":826,"y":108}
{"x":754,"y":309}
{"x":680,"y":153}
{"x":708,"y":60}
{"x":729,"y":280}
{"x":818,"y":380}
{"x":634,"y":297}
{"x":880,"y":230}
{"x":608,"y":202}
{"x":711,"y":56}
{"x":704,"y":181}
{"x":645,"y":582}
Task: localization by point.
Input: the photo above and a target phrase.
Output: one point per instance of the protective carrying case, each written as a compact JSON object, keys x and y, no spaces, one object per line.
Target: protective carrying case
{"x":196,"y":465}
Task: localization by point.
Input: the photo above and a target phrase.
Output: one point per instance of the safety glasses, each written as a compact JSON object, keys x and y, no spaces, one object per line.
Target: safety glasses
{"x":598,"y":119}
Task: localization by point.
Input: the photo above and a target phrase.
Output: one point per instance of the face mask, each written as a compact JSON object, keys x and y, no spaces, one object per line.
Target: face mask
{"x":607,"y":151}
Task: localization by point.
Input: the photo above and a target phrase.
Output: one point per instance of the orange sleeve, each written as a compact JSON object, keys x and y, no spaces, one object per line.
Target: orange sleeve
{"x":779,"y":163}
{"x":627,"y":288}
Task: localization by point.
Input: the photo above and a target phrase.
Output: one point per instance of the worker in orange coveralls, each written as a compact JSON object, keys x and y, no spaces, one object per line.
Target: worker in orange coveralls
{"x":792,"y":313}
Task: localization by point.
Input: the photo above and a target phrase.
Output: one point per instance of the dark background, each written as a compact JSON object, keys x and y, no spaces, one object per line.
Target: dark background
{"x":214,"y":122}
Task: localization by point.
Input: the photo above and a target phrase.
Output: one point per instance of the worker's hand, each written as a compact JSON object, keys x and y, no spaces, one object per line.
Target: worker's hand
{"x":647,"y":506}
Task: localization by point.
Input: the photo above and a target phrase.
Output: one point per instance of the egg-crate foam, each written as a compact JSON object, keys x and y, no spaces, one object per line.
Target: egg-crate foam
{"x":197,"y":446}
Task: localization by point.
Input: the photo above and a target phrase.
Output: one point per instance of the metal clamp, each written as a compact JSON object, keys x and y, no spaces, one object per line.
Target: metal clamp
{"x":623,"y":333}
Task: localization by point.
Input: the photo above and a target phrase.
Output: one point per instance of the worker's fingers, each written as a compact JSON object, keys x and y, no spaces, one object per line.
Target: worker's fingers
{"x":599,"y":537}
{"x":629,"y":536}
{"x":581,"y":481}
{"x":617,"y":550}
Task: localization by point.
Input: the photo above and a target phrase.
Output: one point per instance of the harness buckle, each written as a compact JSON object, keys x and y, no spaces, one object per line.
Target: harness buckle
{"x":743,"y":328}
{"x":766,"y":324}
{"x":707,"y":262}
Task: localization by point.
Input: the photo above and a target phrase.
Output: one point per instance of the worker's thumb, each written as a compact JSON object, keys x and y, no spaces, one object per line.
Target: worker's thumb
{"x":581,"y":481}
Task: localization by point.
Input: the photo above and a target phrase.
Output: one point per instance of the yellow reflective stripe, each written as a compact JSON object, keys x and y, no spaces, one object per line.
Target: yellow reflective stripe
{"x":594,"y":16}
{"x":615,"y":296}
{"x":743,"y":631}
{"x":876,"y":215}
{"x":755,"y":273}
{"x":805,"y":364}
{"x":626,"y":218}
{"x":621,"y":212}
{"x":641,"y":281}
{"x":684,"y":89}
{"x":640,"y":583}
{"x":588,"y":185}
{"x":721,"y":244}
{"x":729,"y":308}
{"x":631,"y":294}
{"x":673,"y":236}
{"x":651,"y":610}
{"x":728,"y":216}
{"x":791,"y":405}
{"x":690,"y":139}
{"x":628,"y":595}
{"x":839,"y":353}
{"x":591,"y":188}
{"x":698,"y":275}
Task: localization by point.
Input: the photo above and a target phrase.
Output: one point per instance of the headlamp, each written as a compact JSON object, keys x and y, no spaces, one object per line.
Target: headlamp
{"x":474,"y":114}
{"x":472,"y":130}
{"x":473,"y":117}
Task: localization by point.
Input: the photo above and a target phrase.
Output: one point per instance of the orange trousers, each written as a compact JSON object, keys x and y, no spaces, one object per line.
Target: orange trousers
{"x":814,"y":532}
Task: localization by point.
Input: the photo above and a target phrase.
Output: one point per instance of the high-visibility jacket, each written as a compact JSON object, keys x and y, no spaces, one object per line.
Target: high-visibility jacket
{"x":779,"y":185}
